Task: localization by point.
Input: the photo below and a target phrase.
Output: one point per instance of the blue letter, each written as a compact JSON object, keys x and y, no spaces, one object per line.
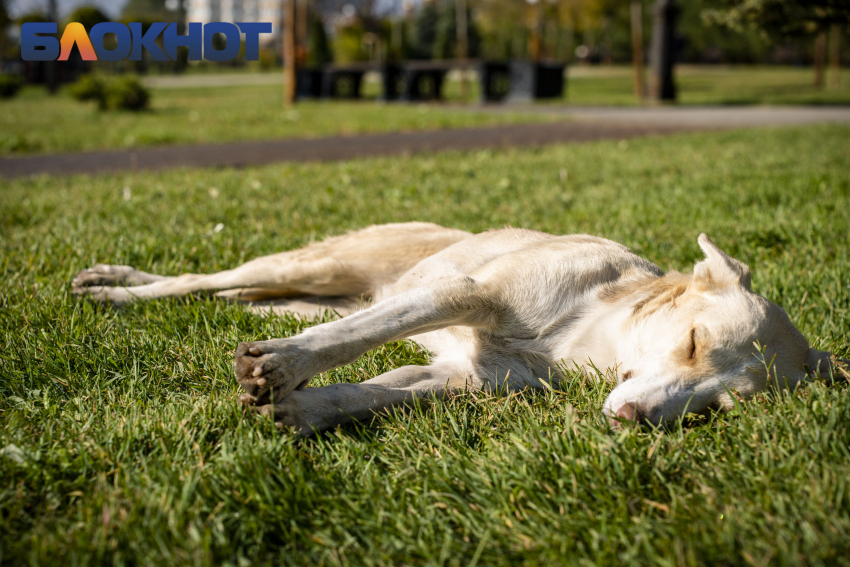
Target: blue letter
{"x":148,"y":41}
{"x":29,"y":42}
{"x":125,"y":41}
{"x":231,"y":48}
{"x":194,"y":41}
{"x":252,"y":31}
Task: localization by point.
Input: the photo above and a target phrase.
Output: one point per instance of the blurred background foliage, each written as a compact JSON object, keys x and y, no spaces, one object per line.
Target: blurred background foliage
{"x":579,"y":31}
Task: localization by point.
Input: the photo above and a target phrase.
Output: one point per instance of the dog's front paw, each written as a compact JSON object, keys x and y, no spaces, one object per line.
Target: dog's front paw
{"x":270,"y":368}
{"x":103,"y":274}
{"x":286,"y":414}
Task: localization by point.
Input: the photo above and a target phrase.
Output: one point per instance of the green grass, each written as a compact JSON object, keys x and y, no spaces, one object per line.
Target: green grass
{"x":703,"y":84}
{"x":36,"y":122}
{"x":132,"y":450}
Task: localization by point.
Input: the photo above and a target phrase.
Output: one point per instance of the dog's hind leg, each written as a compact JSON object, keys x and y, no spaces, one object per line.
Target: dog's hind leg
{"x":279,"y":275}
{"x":353,"y":265}
{"x":105,"y":274}
{"x":316,"y":409}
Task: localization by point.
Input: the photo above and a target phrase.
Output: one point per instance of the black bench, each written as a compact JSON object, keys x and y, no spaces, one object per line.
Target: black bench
{"x":331,"y":81}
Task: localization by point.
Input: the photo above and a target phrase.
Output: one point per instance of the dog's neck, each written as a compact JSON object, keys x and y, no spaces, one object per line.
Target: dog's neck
{"x":604,"y":336}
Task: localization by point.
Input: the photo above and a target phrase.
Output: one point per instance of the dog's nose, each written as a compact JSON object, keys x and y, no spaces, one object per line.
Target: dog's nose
{"x":628,"y":412}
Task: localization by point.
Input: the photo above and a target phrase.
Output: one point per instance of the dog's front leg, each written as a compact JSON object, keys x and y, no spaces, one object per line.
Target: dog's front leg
{"x":281,"y":366}
{"x":317,"y":409}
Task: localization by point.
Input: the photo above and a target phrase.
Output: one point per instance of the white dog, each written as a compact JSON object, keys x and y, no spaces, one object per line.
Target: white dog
{"x":505,"y":308}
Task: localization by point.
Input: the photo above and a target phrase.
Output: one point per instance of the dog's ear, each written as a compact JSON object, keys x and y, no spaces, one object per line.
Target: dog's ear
{"x":718,"y":268}
{"x":825,"y":366}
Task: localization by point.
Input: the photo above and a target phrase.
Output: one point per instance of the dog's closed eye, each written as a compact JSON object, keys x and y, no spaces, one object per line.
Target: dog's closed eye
{"x":693,"y":350}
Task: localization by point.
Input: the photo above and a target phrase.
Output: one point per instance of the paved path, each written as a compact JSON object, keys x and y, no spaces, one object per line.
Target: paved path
{"x":586,"y":124}
{"x":698,"y":116}
{"x":212,"y":80}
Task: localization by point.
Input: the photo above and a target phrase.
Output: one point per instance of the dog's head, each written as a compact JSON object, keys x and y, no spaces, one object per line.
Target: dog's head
{"x":700,"y":342}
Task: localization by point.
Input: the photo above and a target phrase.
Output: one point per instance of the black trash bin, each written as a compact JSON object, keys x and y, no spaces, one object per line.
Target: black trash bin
{"x":495,"y":77}
{"x":532,"y":81}
{"x":308,"y":83}
{"x":423,"y":80}
{"x":343,"y":81}
{"x":392,"y":79}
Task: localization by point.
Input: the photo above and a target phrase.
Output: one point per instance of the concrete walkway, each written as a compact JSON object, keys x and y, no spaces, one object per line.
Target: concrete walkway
{"x":703,"y":116}
{"x":212,"y":80}
{"x":583,"y":125}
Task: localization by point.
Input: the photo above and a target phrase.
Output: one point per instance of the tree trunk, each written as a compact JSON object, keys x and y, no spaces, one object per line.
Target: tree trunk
{"x":301,"y":46}
{"x":663,"y":52}
{"x":51,"y":73}
{"x":396,"y":39}
{"x":462,"y":44}
{"x":834,"y":55}
{"x":288,"y":52}
{"x":820,"y":56}
{"x":535,"y":33}
{"x":566,"y":52}
{"x":637,"y":47}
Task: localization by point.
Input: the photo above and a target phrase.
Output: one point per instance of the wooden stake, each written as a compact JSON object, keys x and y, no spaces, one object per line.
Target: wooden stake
{"x":820,"y":56}
{"x":535,"y":32}
{"x":288,"y":52}
{"x":834,"y":55}
{"x":637,"y":48}
{"x":462,"y":44}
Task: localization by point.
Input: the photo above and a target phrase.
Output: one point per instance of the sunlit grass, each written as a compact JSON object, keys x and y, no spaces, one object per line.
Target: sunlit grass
{"x":36,"y":122}
{"x":122,"y":442}
{"x":705,"y":84}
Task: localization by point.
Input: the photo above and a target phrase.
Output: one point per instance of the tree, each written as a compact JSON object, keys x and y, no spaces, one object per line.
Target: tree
{"x":89,"y":16}
{"x":319,"y":48}
{"x":32,"y":17}
{"x":289,"y":60}
{"x":715,"y":43}
{"x":348,"y":43}
{"x":779,"y":19}
{"x":425,"y":31}
{"x":445,"y":40}
{"x":148,"y":11}
{"x":552,"y":25}
{"x":4,"y":25}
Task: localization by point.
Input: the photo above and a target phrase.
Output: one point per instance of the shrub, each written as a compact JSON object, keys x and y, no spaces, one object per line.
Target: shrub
{"x":90,"y":87}
{"x":125,"y":93}
{"x":268,"y":59}
{"x":9,"y":85}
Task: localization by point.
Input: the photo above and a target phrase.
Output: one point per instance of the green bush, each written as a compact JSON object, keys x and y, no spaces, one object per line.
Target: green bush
{"x":127,"y":93}
{"x":90,"y":87}
{"x":124,"y":93}
{"x":348,"y":44}
{"x":268,"y":59}
{"x":9,"y":85}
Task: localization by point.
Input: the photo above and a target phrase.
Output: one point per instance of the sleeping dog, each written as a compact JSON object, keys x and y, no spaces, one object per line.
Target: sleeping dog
{"x":501,"y":309}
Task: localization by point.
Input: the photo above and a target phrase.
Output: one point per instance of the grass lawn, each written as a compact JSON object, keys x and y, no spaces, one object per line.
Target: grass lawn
{"x":705,"y":84}
{"x":36,"y":122}
{"x":122,"y":442}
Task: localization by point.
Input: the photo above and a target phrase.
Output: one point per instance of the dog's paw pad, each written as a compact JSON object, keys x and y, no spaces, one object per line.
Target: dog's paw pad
{"x":102,"y":274}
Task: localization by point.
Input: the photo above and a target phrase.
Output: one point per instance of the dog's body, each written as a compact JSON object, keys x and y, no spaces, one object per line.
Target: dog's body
{"x":505,"y":308}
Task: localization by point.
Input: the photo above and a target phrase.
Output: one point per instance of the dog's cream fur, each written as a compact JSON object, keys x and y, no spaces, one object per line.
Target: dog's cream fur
{"x":505,"y":308}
